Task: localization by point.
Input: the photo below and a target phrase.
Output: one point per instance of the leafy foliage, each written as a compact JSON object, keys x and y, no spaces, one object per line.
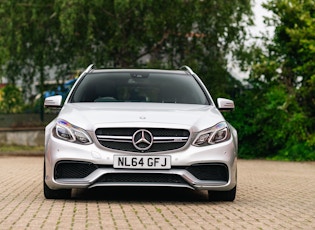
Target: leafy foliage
{"x":11,"y":99}
{"x":279,"y":122}
{"x":70,"y":34}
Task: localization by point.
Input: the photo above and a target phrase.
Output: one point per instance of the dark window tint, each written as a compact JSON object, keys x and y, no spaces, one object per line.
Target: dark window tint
{"x":139,"y":87}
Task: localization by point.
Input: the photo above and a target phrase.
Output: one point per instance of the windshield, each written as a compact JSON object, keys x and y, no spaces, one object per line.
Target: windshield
{"x":139,"y":87}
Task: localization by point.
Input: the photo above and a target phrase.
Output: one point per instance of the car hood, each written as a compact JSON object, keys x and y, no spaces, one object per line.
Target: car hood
{"x":91,"y":116}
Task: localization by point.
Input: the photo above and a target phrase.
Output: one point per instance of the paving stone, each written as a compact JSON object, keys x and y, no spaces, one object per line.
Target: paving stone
{"x":271,"y":195}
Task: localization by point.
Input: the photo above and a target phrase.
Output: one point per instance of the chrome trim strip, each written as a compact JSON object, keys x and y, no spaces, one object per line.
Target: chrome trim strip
{"x":170,"y":139}
{"x":129,"y":139}
{"x":141,"y":184}
{"x":114,"y":138}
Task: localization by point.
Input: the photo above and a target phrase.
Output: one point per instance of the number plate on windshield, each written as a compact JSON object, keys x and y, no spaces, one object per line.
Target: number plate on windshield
{"x":142,"y":162}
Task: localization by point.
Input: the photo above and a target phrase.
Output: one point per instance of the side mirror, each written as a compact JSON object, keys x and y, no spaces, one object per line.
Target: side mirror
{"x":53,"y":101}
{"x":225,"y":104}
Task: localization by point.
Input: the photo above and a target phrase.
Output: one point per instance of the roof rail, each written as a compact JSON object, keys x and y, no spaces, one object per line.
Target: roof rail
{"x":88,"y":69}
{"x":185,"y":67}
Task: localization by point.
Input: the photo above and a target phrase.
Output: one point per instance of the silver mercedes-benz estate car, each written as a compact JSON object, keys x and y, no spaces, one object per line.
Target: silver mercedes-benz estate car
{"x":140,"y":127}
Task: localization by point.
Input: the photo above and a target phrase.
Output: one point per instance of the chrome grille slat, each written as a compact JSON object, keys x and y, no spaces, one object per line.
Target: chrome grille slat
{"x":163,"y":139}
{"x":129,"y":139}
{"x":170,"y":139}
{"x":114,"y":137}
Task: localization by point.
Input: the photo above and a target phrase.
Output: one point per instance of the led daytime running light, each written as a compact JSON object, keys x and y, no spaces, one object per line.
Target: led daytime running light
{"x":217,"y":134}
{"x":65,"y":131}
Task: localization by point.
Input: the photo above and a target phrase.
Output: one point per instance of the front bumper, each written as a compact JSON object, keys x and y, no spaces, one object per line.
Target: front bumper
{"x":71,"y":165}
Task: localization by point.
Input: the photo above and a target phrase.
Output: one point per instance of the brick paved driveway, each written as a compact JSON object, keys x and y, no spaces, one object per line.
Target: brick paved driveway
{"x":271,"y":195}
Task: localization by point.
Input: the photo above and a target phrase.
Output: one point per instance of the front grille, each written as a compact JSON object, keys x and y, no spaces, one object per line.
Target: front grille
{"x":163,"y":139}
{"x":71,"y":169}
{"x":216,"y":172}
{"x":141,"y":178}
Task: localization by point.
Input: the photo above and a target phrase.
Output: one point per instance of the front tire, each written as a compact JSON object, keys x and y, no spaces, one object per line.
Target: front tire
{"x":222,"y":195}
{"x":55,"y":194}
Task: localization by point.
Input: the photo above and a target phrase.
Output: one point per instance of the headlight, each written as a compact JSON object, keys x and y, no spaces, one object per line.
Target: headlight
{"x":217,"y":134}
{"x":68,"y":132}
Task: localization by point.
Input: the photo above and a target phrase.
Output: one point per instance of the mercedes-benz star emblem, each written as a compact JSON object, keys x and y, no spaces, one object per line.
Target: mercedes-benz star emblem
{"x":142,"y":139}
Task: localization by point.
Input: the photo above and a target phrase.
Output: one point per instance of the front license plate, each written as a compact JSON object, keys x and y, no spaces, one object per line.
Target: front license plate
{"x":142,"y":162}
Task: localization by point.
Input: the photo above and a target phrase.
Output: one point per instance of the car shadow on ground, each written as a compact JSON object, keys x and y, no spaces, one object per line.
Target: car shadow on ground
{"x":144,"y":194}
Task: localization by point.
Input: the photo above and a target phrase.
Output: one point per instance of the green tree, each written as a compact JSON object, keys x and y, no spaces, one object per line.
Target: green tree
{"x":167,"y":34}
{"x":11,"y":99}
{"x":282,"y":120}
{"x":30,"y":33}
{"x":36,"y":35}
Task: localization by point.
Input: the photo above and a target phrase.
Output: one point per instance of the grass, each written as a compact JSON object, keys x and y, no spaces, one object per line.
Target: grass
{"x":21,"y":149}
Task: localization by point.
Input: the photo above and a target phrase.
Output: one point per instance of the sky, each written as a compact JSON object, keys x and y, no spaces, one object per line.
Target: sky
{"x":259,"y":13}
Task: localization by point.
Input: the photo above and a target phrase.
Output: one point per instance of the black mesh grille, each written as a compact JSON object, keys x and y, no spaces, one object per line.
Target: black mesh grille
{"x":123,"y":145}
{"x":217,"y":172}
{"x":66,"y":169}
{"x":77,"y":170}
{"x":141,"y":178}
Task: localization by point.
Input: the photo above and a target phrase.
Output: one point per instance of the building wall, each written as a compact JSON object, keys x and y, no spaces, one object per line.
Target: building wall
{"x":23,"y":129}
{"x":22,"y":137}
